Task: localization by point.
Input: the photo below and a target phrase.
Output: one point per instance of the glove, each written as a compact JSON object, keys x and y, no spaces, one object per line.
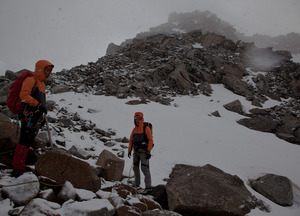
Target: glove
{"x":148,"y":155}
{"x":42,"y":108}
{"x":129,"y":154}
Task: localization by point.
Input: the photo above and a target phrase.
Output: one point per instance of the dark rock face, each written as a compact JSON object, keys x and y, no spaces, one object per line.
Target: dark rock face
{"x":235,"y":106}
{"x":276,"y":188}
{"x":264,"y":124}
{"x":279,"y":120}
{"x":207,"y":190}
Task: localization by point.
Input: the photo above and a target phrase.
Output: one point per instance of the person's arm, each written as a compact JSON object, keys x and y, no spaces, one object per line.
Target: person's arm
{"x":150,"y":139}
{"x":26,"y":90}
{"x":130,"y":142}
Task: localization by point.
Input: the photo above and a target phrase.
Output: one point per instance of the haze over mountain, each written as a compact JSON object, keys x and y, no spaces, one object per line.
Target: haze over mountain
{"x":71,"y":33}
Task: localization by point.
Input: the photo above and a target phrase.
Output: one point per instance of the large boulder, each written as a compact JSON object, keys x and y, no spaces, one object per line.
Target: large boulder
{"x":180,"y":77}
{"x":276,"y":188}
{"x":235,"y":106}
{"x":207,"y":190}
{"x":60,"y":166}
{"x":8,"y":139}
{"x":236,"y":85}
{"x":259,"y":123}
{"x":112,"y":165}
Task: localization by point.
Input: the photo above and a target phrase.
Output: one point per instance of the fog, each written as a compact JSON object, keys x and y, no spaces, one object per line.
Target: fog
{"x":73,"y":32}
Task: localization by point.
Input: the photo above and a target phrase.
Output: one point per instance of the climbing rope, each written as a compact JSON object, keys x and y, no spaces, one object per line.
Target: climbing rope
{"x":7,"y":152}
{"x":14,"y":185}
{"x":29,"y":182}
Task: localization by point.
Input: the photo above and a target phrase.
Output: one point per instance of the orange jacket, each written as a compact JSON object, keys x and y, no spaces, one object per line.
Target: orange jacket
{"x":140,"y":130}
{"x":29,"y":83}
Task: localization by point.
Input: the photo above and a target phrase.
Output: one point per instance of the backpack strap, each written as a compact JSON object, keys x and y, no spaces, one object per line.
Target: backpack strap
{"x":35,"y":86}
{"x":145,"y":135}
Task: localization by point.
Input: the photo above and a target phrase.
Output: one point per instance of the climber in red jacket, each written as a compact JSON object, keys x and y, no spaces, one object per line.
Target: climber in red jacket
{"x":33,"y":95}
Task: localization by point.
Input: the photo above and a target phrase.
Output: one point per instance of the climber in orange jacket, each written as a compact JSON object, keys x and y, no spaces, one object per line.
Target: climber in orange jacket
{"x":33,"y":95}
{"x":142,"y":144}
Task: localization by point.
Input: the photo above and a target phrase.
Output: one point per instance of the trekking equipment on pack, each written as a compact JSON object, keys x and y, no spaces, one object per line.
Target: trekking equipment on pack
{"x":42,"y":108}
{"x":14,"y":102}
{"x":33,"y":118}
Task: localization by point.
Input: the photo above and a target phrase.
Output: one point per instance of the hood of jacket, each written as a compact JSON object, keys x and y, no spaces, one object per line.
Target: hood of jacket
{"x":139,"y":115}
{"x":39,"y":69}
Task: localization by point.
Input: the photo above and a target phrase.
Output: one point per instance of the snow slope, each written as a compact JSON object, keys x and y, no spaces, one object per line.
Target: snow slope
{"x":186,"y":133}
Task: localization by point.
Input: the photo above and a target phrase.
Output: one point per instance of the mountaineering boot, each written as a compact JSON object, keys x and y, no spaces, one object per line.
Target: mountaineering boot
{"x":17,"y":172}
{"x":146,"y":191}
{"x":20,"y":158}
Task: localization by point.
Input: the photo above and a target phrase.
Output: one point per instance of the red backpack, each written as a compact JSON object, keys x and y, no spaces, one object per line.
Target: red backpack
{"x":14,"y":102}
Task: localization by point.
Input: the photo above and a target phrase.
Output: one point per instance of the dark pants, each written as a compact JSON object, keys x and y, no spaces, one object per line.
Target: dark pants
{"x":140,"y":158}
{"x":26,"y":140}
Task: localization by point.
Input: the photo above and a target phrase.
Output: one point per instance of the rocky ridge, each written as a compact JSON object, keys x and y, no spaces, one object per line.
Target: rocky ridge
{"x":161,"y":66}
{"x":207,"y":21}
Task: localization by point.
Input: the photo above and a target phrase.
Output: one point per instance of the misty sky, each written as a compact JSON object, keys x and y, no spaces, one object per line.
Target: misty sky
{"x":73,"y":32}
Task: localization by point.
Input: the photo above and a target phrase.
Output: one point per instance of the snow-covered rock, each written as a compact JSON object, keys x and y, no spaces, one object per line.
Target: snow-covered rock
{"x":67,"y":192}
{"x":22,"y":189}
{"x":88,"y":208}
{"x":41,"y":207}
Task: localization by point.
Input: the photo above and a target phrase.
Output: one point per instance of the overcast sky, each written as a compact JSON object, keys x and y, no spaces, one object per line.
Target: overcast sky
{"x":73,"y":32}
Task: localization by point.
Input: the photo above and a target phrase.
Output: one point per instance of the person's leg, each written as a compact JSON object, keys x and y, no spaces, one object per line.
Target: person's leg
{"x":136,"y":168}
{"x":26,"y":140}
{"x":20,"y":157}
{"x":146,"y":170}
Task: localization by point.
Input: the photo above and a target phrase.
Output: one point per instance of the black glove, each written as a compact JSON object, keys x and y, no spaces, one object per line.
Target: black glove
{"x":129,"y":154}
{"x":148,"y":155}
{"x":42,"y":108}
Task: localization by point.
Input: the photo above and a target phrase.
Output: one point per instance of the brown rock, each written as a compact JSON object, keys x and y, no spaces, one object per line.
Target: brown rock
{"x":112,"y":165}
{"x":127,"y":210}
{"x":8,"y":139}
{"x":60,"y":166}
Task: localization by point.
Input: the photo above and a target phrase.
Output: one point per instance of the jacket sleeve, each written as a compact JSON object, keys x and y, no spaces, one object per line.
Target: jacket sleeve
{"x":25,"y":93}
{"x":150,"y":138}
{"x":130,"y":142}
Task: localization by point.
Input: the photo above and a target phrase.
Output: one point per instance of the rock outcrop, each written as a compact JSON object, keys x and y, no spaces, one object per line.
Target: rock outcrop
{"x":112,"y":165}
{"x":207,"y":190}
{"x":60,"y":166}
{"x":276,"y":188}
